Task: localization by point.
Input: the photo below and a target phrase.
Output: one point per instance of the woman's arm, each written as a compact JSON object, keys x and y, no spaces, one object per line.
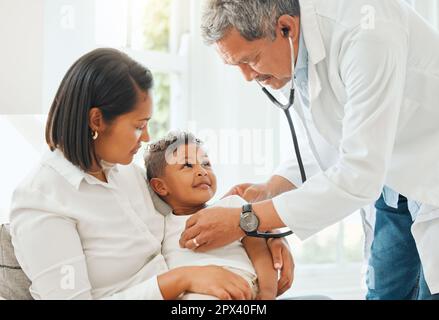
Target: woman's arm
{"x":211,"y":280}
{"x":49,"y":250}
{"x":260,"y":255}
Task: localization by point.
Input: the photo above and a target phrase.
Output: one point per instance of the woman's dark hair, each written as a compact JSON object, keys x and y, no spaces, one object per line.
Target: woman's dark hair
{"x":104,"y":78}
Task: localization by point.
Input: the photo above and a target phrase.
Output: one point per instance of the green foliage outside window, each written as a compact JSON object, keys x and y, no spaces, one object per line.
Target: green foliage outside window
{"x":156,"y":33}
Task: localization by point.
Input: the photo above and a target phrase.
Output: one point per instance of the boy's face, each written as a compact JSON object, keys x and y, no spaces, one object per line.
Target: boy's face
{"x":189,"y":181}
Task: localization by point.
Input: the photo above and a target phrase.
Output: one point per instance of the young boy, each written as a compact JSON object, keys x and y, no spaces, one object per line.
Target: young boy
{"x":179,"y":171}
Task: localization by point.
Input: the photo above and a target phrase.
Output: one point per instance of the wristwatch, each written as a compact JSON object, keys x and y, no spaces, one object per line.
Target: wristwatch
{"x":249,"y":221}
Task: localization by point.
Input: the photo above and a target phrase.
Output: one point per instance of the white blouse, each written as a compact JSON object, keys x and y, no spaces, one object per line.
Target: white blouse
{"x":79,"y":238}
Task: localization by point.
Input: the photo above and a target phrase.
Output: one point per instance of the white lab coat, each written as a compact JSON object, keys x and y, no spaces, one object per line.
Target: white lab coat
{"x":373,"y":119}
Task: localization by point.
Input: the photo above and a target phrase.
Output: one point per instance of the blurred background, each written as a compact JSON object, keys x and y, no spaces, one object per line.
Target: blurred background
{"x":245,"y":136}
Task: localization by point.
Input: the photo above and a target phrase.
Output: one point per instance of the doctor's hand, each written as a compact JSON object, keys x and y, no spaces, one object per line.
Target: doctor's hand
{"x":251,"y":192}
{"x":259,"y":192}
{"x":283,"y":261}
{"x":212,"y":228}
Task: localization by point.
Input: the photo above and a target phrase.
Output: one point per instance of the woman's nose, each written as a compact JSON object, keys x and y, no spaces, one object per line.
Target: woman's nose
{"x":145,"y":136}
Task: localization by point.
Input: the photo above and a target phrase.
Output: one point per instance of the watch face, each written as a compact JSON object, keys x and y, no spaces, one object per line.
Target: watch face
{"x":249,"y":222}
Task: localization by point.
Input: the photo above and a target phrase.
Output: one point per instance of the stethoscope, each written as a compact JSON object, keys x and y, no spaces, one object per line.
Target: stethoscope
{"x":286,"y":108}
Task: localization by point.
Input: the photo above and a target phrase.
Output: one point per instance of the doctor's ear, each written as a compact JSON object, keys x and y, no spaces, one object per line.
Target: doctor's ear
{"x":159,"y":187}
{"x":289,"y":26}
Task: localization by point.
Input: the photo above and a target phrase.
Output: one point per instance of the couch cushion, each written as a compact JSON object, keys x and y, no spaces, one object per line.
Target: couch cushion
{"x":14,"y":284}
{"x":161,"y":206}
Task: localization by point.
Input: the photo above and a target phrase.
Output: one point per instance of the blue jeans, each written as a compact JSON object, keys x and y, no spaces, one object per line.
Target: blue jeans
{"x":395,"y":270}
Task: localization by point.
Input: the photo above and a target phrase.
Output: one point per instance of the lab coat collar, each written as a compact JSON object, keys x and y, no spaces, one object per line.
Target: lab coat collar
{"x":311,"y":31}
{"x":314,"y":45}
{"x":73,"y":174}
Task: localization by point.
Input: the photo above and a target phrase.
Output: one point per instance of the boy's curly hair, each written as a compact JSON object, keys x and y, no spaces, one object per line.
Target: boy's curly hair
{"x":155,"y":157}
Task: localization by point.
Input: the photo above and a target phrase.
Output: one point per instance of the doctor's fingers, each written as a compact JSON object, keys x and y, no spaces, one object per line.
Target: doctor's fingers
{"x":255,"y":193}
{"x":238,"y":190}
{"x":196,"y":244}
{"x":189,"y":235}
{"x":192,"y":221}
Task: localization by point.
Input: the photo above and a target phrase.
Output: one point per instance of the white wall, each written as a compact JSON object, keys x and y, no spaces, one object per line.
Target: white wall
{"x":41,"y":39}
{"x":220,"y":99}
{"x":21,"y":56}
{"x":69,"y":32}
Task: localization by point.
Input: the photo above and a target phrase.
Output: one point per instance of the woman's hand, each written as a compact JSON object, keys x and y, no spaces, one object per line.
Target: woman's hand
{"x":210,"y":280}
{"x":218,"y":282}
{"x":283,"y":261}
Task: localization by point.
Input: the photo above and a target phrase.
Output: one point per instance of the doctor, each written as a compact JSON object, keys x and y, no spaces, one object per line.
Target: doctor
{"x":367,"y":92}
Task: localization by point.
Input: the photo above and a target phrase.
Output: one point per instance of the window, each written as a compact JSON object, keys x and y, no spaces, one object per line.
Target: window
{"x":153,"y":33}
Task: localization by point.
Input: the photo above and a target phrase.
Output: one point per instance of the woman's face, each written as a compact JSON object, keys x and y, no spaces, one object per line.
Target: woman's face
{"x":120,"y":140}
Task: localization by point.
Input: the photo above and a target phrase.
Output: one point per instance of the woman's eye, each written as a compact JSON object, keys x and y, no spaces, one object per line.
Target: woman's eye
{"x":141,"y":127}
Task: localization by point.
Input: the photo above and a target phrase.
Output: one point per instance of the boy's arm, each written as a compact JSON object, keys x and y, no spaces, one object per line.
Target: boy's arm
{"x":260,"y":256}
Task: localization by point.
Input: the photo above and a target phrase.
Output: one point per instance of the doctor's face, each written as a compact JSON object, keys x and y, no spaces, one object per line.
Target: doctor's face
{"x":264,"y":60}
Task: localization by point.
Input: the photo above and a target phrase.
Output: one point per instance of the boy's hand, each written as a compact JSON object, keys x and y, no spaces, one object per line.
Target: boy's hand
{"x":283,"y":261}
{"x":269,"y":293}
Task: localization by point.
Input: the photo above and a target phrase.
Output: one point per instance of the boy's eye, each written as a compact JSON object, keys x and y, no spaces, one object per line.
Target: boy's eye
{"x":206,"y":164}
{"x":188,"y":165}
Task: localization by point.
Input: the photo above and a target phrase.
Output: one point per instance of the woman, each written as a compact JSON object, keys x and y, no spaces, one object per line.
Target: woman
{"x":83,"y":224}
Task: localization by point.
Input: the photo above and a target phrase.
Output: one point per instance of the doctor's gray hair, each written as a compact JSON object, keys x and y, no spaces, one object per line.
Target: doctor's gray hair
{"x":253,"y":19}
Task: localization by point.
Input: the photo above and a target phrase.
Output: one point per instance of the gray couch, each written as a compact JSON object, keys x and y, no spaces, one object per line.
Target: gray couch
{"x":14,"y":284}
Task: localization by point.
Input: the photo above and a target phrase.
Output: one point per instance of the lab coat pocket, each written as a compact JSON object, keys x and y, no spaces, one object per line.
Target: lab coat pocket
{"x":425,"y":231}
